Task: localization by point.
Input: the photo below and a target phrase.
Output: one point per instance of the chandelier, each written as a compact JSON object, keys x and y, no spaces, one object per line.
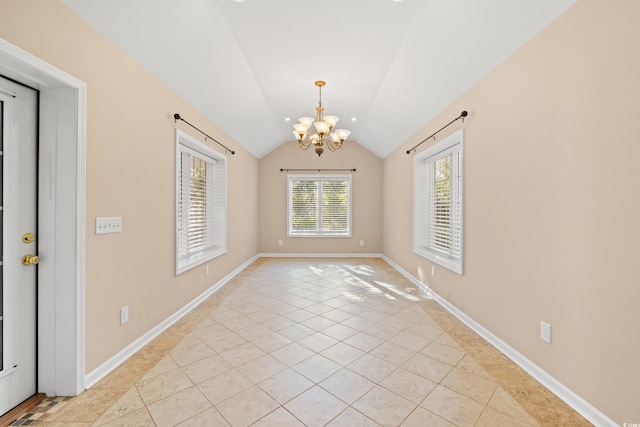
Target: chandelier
{"x":321,"y":132}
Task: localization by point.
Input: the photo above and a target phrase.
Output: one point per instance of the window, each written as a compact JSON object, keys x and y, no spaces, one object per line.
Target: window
{"x":437,"y":209}
{"x":319,"y":205}
{"x":201,"y":199}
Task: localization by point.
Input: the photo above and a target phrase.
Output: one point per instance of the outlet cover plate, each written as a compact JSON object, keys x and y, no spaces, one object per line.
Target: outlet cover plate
{"x":545,"y":332}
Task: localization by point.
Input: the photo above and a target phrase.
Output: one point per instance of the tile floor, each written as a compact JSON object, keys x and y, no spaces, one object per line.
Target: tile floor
{"x":315,"y":342}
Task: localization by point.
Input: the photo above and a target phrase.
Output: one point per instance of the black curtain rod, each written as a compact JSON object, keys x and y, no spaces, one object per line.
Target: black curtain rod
{"x":318,"y":170}
{"x":461,"y":116}
{"x":177,"y":117}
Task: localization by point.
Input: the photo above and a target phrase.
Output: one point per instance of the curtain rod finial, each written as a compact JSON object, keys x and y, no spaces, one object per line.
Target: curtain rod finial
{"x":464,"y":114}
{"x":176,"y":116}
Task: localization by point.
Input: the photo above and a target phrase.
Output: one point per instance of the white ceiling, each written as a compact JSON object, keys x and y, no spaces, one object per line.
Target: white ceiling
{"x":247,"y":65}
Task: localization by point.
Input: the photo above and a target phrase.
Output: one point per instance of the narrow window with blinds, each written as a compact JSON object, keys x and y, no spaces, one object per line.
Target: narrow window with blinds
{"x":437,"y":212}
{"x":201,"y":229}
{"x":319,"y":206}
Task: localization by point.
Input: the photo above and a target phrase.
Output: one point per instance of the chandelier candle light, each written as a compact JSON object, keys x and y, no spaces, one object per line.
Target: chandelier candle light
{"x":321,"y":132}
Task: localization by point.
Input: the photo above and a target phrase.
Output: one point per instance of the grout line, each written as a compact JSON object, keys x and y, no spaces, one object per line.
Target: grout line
{"x":233,"y":300}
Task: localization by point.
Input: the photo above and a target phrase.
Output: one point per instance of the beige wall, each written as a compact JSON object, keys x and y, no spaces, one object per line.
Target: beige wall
{"x":551,"y":199}
{"x":130,"y":173}
{"x":366,"y":199}
{"x":552,"y":205}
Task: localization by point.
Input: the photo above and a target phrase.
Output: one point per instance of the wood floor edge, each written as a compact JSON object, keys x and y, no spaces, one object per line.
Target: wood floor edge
{"x":25,"y":406}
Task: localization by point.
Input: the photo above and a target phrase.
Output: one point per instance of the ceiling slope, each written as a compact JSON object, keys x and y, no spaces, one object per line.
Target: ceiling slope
{"x":248,"y":65}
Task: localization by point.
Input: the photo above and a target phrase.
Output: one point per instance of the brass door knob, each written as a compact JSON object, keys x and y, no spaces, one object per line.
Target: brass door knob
{"x":30,"y":259}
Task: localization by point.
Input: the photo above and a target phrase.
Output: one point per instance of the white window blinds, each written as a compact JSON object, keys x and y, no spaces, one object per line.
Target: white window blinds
{"x":195,"y":204}
{"x":444,"y":215}
{"x":303,"y":214}
{"x":437,"y":233}
{"x":200,"y":204}
{"x":319,"y":205}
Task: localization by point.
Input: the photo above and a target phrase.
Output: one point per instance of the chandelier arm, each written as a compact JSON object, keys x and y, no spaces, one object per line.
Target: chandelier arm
{"x":303,"y":145}
{"x":333,"y":146}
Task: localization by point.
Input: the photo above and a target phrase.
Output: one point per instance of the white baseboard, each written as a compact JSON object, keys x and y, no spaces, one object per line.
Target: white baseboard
{"x":581,"y":406}
{"x":101,"y":371}
{"x":319,"y":255}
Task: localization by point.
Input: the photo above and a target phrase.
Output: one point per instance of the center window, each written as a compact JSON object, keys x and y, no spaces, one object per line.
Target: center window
{"x":319,"y":205}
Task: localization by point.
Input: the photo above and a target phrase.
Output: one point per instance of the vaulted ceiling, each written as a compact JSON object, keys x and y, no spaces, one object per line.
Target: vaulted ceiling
{"x":248,"y":65}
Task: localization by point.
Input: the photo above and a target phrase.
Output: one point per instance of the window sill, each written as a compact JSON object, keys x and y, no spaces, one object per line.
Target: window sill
{"x":453,"y":264}
{"x":195,"y":260}
{"x":319,"y":235}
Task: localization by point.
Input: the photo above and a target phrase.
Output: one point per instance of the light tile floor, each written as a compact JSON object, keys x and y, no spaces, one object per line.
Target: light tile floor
{"x":316,"y":342}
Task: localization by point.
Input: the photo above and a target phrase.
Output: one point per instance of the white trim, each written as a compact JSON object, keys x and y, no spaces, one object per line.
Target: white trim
{"x":422,"y":220}
{"x":81,"y":179}
{"x":61,"y":333}
{"x":318,"y":232}
{"x":320,"y":255}
{"x":101,"y":371}
{"x":581,"y":406}
{"x":185,"y":143}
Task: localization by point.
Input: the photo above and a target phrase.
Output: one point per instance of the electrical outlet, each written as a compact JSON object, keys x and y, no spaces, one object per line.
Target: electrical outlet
{"x":433,"y":270}
{"x":206,"y":270}
{"x":124,"y":315}
{"x":361,"y":242}
{"x":280,"y":242}
{"x":545,"y":332}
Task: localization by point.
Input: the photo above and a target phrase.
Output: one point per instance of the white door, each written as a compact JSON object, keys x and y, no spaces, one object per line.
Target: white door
{"x":18,"y":286}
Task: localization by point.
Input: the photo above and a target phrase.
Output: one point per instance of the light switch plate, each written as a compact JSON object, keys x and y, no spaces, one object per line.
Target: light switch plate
{"x":108,"y":224}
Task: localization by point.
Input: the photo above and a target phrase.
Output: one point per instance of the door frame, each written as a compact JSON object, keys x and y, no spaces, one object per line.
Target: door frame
{"x":61,"y":219}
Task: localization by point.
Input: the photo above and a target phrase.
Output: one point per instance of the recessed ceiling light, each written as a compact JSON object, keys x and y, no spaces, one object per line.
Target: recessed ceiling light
{"x":355,"y":119}
{"x":287,"y":119}
{"x":240,"y":1}
{"x":395,"y":1}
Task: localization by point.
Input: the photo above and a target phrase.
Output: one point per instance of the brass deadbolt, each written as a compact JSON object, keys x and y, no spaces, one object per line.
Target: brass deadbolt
{"x":28,"y":238}
{"x":30,"y":259}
